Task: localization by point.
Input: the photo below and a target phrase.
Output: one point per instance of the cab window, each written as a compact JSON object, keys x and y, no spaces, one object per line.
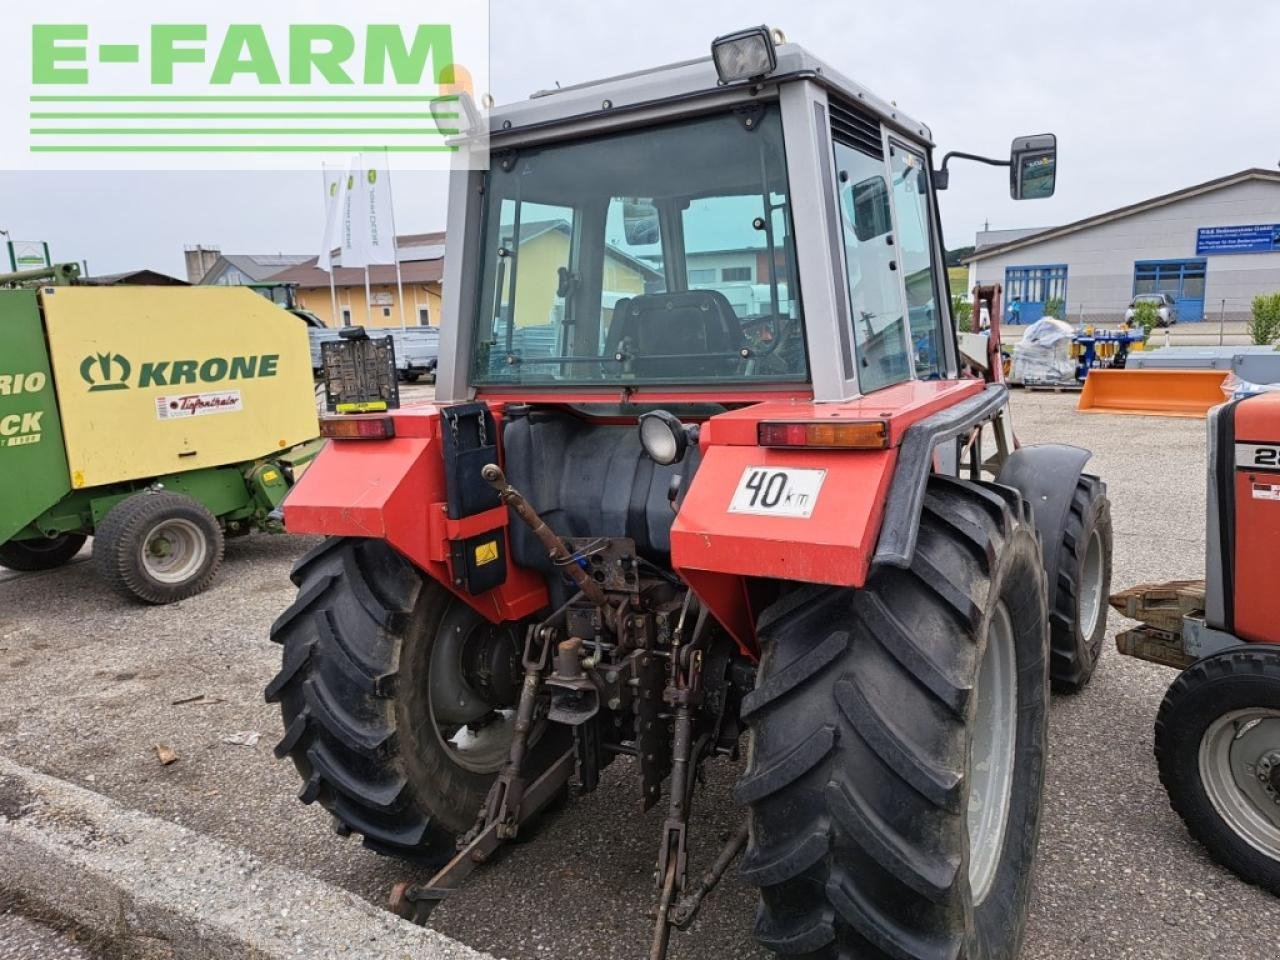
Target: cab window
{"x":915,"y":255}
{"x":871,"y":270}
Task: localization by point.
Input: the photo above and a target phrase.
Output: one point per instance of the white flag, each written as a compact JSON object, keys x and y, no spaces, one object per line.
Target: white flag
{"x":336,"y":199}
{"x":371,"y":212}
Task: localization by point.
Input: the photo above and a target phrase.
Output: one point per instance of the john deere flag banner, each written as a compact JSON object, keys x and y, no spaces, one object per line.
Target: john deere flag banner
{"x":241,"y":84}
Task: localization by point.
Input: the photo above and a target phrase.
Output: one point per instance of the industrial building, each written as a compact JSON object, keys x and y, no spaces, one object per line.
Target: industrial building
{"x":1212,"y":247}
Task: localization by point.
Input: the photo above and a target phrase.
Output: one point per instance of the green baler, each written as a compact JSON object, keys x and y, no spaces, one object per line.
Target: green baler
{"x":156,"y":419}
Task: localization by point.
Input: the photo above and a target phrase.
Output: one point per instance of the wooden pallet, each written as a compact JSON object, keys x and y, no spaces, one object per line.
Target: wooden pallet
{"x":1161,"y":605}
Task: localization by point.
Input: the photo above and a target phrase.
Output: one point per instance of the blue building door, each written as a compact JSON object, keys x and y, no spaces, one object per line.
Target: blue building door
{"x":1028,"y":290}
{"x":1181,"y":279}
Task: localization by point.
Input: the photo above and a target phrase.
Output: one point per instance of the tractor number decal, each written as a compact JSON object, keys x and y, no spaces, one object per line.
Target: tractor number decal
{"x":777,"y":491}
{"x":1256,"y":456}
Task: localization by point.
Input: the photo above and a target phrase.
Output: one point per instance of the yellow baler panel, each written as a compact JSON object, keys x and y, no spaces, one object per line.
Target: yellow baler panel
{"x":159,"y":380}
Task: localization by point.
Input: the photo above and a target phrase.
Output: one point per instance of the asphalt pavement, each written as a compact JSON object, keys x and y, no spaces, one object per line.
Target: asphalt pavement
{"x":90,"y":685}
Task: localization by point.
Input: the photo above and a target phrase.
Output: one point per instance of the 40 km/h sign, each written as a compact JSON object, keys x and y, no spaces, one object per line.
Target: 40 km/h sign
{"x":777,"y":491}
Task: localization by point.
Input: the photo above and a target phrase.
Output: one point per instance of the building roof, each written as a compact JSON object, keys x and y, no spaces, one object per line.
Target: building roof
{"x":1053,"y":233}
{"x":134,"y":278}
{"x":309,"y":275}
{"x":257,"y":267}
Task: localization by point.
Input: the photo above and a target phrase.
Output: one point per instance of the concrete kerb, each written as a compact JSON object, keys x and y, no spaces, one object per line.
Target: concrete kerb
{"x":160,"y":890}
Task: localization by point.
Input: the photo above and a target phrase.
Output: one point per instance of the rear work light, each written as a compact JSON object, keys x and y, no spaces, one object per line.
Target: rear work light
{"x":357,"y":428}
{"x":848,"y":435}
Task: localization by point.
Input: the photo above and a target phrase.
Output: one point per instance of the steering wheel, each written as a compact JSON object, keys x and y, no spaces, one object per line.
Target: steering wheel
{"x":764,"y":334}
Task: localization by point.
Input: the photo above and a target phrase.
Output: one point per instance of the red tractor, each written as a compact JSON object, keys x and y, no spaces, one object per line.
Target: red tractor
{"x":1217,"y":737}
{"x":701,"y":470}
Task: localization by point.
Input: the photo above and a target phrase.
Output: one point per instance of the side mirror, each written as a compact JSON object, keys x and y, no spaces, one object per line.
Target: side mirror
{"x":640,"y":223}
{"x":1033,"y":167}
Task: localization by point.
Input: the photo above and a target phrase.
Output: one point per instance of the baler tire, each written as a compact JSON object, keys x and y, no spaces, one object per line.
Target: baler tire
{"x":121,"y":539}
{"x":861,"y":727}
{"x":354,"y":697}
{"x":1239,"y":679}
{"x":1075,"y":648}
{"x":28,"y":556}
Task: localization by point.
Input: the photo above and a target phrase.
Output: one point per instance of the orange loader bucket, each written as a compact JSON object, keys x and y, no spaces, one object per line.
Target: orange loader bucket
{"x":1153,"y":393}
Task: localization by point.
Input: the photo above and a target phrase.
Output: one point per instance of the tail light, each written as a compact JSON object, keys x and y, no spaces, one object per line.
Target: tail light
{"x":357,"y":428}
{"x":847,"y":434}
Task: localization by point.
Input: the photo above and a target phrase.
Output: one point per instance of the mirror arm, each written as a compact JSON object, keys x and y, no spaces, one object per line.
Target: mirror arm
{"x":942,"y":176}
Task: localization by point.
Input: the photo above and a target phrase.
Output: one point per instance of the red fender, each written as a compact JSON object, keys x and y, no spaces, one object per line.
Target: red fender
{"x":394,"y":490}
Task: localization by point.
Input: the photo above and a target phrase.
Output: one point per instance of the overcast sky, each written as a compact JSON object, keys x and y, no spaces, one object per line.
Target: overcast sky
{"x":1145,"y":97}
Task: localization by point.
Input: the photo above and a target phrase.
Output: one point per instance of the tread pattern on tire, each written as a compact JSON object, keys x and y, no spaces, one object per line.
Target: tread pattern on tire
{"x":867,"y":866}
{"x":341,"y":640}
{"x":1072,"y":659}
{"x":18,"y":555}
{"x":127,"y":521}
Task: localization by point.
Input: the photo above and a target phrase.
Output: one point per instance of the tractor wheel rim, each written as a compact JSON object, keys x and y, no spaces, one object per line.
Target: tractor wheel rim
{"x":1238,"y":756}
{"x":1091,"y":586}
{"x":174,"y":550}
{"x":482,"y":746}
{"x":991,"y":753}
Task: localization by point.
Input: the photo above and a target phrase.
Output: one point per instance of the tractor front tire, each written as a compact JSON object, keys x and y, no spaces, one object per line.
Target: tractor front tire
{"x":1078,"y":618}
{"x":1217,"y":746}
{"x":889,"y":725}
{"x":158,"y":547}
{"x":355,"y":693}
{"x":30,"y":555}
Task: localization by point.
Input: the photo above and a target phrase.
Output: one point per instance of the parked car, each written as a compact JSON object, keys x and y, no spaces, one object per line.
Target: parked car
{"x":1166,"y":308}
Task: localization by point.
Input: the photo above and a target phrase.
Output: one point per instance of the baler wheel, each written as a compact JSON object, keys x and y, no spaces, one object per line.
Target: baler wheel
{"x":898,"y":739}
{"x":1078,"y":607}
{"x":394,"y":699}
{"x":158,"y":546}
{"x":30,"y":555}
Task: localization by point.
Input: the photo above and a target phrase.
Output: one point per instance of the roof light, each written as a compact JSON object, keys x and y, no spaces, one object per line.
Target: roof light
{"x":357,"y":428}
{"x":846,"y":434}
{"x":745,"y":55}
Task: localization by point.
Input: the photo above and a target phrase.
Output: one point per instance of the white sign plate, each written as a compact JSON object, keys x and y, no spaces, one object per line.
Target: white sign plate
{"x":1258,"y":456}
{"x":198,"y":404}
{"x":777,"y":491}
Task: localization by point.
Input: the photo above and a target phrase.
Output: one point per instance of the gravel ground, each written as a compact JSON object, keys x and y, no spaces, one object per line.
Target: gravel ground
{"x":25,"y":938}
{"x":88,"y":686}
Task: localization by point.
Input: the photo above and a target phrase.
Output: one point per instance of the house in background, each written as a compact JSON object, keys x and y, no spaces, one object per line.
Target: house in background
{"x":209,"y":266}
{"x":134,"y":278}
{"x":1211,"y":246}
{"x":297,"y":280}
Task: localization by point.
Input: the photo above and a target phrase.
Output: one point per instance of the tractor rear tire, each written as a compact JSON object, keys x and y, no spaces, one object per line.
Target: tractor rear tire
{"x":1078,"y":621}
{"x":869,"y":746}
{"x":31,"y":555}
{"x":355,"y":696}
{"x":1217,"y":745}
{"x":158,"y":547}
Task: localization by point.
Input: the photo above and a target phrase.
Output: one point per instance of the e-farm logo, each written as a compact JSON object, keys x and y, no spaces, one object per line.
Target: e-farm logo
{"x":241,"y":85}
{"x":114,"y":371}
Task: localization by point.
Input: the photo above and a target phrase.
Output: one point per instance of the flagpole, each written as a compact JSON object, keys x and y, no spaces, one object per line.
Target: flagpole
{"x":333,"y":290}
{"x":395,"y":250}
{"x":368,"y":297}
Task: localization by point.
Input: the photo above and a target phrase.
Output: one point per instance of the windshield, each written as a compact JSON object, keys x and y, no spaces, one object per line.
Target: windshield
{"x":659,"y":255}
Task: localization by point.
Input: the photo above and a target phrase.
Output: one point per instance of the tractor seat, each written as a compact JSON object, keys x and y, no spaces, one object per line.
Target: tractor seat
{"x":670,"y":334}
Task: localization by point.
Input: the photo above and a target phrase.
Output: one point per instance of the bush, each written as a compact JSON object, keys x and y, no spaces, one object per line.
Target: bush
{"x":1264,"y":328}
{"x":1146,"y":315}
{"x":962,"y":310}
{"x":1056,"y":308}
